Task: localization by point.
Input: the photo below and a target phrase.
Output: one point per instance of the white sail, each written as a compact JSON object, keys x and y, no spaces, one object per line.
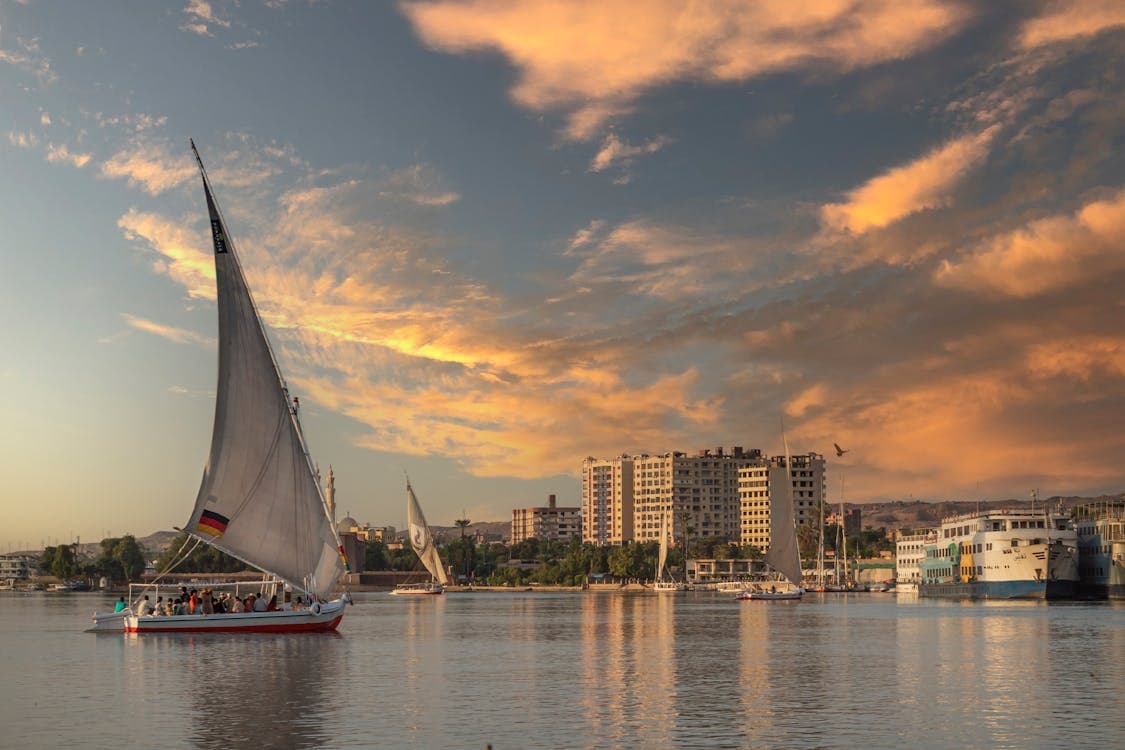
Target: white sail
{"x":783,"y":554}
{"x":421,"y":539}
{"x":663,"y":557}
{"x":259,"y":500}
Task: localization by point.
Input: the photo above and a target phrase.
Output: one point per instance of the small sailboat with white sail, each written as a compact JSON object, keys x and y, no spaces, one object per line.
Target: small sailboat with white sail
{"x":423,"y":543}
{"x":664,"y":583}
{"x":783,"y":555}
{"x":259,"y":500}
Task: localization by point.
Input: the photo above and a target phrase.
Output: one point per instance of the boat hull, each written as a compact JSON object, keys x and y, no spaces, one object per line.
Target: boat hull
{"x":1058,"y":589}
{"x":770,"y":596}
{"x":425,"y":589}
{"x":283,"y":621}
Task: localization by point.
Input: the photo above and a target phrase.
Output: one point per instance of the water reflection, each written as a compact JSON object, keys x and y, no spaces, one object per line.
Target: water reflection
{"x":267,"y":691}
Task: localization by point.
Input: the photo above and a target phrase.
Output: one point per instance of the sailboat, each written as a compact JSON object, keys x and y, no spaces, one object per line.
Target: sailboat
{"x":259,"y":500}
{"x":423,"y":543}
{"x":783,"y":555}
{"x":665,"y":583}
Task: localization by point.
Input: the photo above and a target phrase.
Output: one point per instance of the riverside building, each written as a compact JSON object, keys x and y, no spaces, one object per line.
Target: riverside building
{"x":607,"y":500}
{"x":546,"y":523}
{"x":759,"y":481}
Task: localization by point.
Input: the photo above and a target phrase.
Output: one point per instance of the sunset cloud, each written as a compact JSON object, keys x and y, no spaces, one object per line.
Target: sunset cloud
{"x":925,"y":183}
{"x":615,"y":151}
{"x":62,"y":154}
{"x":594,"y":59}
{"x":201,"y":18}
{"x":1045,"y":254}
{"x":1072,"y":19}
{"x":178,"y":251}
{"x":177,"y":335}
{"x":150,"y":166}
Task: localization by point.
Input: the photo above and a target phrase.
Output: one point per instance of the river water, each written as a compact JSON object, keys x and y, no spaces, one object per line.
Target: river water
{"x":577,"y":670}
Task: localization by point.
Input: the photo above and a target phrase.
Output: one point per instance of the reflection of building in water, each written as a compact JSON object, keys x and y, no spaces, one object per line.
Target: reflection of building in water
{"x":606,"y":676}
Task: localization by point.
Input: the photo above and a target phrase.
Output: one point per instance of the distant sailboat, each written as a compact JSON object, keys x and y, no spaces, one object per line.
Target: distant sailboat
{"x":259,"y":500}
{"x":665,"y":583}
{"x":783,"y":555}
{"x":422,"y":541}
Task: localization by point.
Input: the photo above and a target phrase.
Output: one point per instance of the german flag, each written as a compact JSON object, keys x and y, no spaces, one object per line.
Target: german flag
{"x":212,"y":523}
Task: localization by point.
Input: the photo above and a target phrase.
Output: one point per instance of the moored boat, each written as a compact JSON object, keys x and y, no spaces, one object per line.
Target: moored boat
{"x":1002,"y":554}
{"x":1101,"y":553}
{"x":783,"y":555}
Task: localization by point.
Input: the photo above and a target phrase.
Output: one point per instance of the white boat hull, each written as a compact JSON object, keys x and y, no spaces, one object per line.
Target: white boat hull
{"x":321,"y":617}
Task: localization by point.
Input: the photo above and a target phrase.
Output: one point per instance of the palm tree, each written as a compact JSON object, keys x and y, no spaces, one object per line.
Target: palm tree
{"x":462,"y":523}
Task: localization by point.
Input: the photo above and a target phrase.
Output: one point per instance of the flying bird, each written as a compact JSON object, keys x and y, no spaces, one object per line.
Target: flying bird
{"x":839,"y":451}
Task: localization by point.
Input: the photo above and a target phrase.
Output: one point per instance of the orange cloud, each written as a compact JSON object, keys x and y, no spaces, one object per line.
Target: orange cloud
{"x":1072,"y":19}
{"x":1046,"y":254}
{"x":178,"y":335}
{"x":149,"y":166}
{"x":595,"y":58}
{"x":179,"y":255}
{"x":924,"y":183}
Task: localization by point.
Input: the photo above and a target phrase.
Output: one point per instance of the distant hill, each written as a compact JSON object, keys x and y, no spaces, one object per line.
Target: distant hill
{"x":917,"y":514}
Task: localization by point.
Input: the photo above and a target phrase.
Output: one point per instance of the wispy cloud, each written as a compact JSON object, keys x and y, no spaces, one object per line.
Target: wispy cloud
{"x":178,"y":250}
{"x":594,"y":59}
{"x":150,"y":165}
{"x":1072,"y":19}
{"x":23,"y":140}
{"x":925,"y":183}
{"x":420,"y":184}
{"x":616,"y":152}
{"x":201,"y":18}
{"x":61,"y":154}
{"x":29,"y":59}
{"x":177,"y":335}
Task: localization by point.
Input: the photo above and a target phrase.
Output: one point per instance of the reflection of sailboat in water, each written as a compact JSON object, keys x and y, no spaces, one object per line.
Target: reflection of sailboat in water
{"x":783,"y":555}
{"x":259,"y":500}
{"x":664,"y":582}
{"x":423,"y":543}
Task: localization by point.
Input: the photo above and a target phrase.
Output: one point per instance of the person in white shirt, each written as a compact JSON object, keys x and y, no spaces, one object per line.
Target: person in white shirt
{"x":145,"y":608}
{"x":260,"y":604}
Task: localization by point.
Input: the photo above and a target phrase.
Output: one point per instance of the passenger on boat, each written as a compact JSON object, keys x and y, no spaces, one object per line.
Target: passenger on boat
{"x":298,"y":604}
{"x":260,"y":604}
{"x":193,"y":602}
{"x":272,"y":606}
{"x":207,"y":605}
{"x":287,"y":601}
{"x":158,"y":610}
{"x":169,"y":607}
{"x":145,"y":607}
{"x":236,"y":606}
{"x":120,"y":604}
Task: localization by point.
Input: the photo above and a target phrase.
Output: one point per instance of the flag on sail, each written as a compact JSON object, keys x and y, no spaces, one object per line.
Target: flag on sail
{"x":212,"y":523}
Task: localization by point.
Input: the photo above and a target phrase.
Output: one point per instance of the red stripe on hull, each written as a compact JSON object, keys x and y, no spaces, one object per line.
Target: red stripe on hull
{"x":308,"y":627}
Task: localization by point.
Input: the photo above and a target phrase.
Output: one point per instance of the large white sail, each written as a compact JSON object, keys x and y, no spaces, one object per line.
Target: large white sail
{"x":421,"y":539}
{"x":259,"y":499}
{"x":783,"y":554}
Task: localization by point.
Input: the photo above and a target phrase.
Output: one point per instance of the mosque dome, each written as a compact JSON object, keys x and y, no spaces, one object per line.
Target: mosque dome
{"x":347,"y":524}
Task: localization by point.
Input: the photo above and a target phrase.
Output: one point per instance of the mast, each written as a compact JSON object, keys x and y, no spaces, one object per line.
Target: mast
{"x":843,"y":530}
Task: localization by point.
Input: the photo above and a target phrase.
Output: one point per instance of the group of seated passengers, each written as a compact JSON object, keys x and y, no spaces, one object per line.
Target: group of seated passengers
{"x":206,"y":603}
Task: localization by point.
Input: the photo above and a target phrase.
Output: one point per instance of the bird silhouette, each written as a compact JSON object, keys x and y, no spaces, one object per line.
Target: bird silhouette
{"x":839,"y":451}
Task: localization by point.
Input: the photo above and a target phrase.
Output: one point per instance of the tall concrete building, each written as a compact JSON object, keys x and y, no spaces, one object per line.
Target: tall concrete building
{"x":760,"y":482}
{"x":607,"y":500}
{"x":546,"y":523}
{"x":700,"y":492}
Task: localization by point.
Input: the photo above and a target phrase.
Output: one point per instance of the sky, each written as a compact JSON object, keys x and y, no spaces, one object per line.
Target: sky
{"x":490,"y":239}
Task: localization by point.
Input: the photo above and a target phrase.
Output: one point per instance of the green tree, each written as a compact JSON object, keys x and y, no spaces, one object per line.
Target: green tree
{"x":60,"y":562}
{"x":203,"y":559}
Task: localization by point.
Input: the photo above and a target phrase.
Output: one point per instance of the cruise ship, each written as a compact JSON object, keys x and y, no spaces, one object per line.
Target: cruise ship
{"x":909,"y":553}
{"x":1002,"y":554}
{"x":1101,"y":556}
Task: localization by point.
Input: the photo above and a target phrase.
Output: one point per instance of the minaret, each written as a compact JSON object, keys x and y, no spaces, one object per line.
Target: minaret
{"x":330,"y":495}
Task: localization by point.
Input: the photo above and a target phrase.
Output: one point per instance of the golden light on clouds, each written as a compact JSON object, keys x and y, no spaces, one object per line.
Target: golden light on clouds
{"x":594,"y":59}
{"x":1046,"y":254}
{"x":1072,"y":19}
{"x":925,"y":183}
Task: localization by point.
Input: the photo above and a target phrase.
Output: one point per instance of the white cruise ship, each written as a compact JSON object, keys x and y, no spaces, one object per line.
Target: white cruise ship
{"x":1101,"y":555}
{"x":910,"y":550}
{"x":1002,"y":554}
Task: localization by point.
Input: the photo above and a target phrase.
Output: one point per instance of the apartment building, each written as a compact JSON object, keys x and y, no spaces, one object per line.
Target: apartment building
{"x":546,"y":523}
{"x":763,"y":480}
{"x":607,"y":500}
